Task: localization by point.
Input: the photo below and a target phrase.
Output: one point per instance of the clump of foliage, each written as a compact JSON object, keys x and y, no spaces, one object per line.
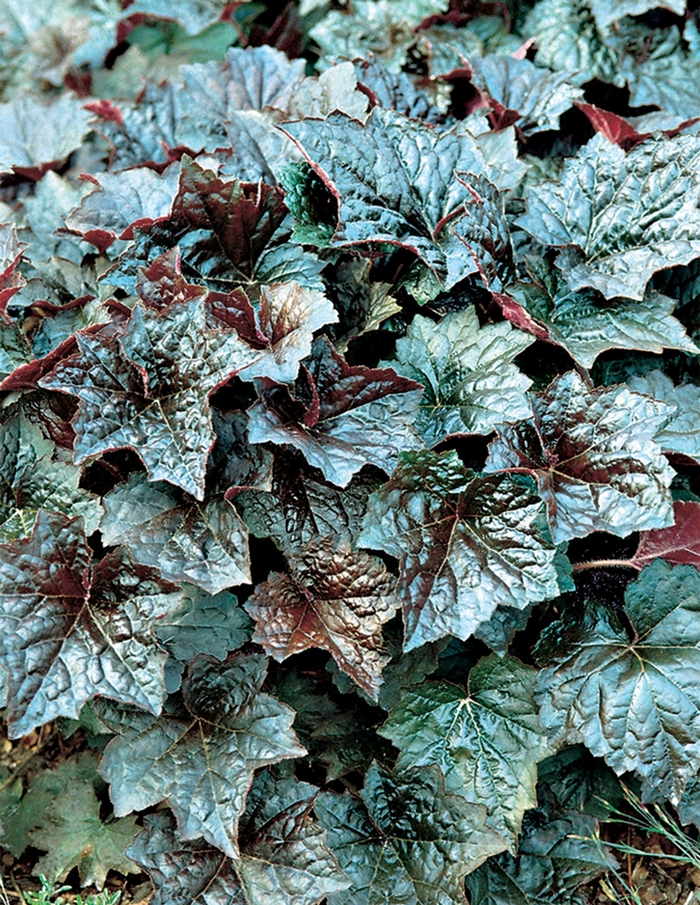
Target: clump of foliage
{"x":349,"y":440}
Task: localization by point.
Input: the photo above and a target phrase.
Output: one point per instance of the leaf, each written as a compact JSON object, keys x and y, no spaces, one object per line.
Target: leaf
{"x":619,"y":218}
{"x":363,"y":305}
{"x":405,"y":837}
{"x":635,"y":703}
{"x":300,"y":505}
{"x":80,"y":635}
{"x":11,"y":251}
{"x":680,"y":433}
{"x":607,"y":12}
{"x":333,"y":90}
{"x":284,"y":859}
{"x":32,"y":479}
{"x":193,"y":15}
{"x":594,"y":457}
{"x":204,"y":624}
{"x":205,"y":544}
{"x":471,"y":383}
{"x":586,"y":324}
{"x":342,"y":416}
{"x":149,"y":390}
{"x":201,"y":756}
{"x":465,"y":544}
{"x":403,"y":183}
{"x":536,"y":96}
{"x":74,"y":835}
{"x":557,"y":854}
{"x":37,"y":135}
{"x":487,"y":741}
{"x":334,"y":598}
{"x":679,"y":543}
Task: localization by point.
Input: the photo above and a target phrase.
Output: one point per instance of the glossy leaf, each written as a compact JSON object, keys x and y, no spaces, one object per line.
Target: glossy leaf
{"x":334,"y":598}
{"x":680,"y":433}
{"x":204,"y":624}
{"x":594,"y":457}
{"x":465,"y":544}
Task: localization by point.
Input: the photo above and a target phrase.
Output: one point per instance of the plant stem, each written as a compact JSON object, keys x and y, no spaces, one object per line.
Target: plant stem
{"x":605,"y":564}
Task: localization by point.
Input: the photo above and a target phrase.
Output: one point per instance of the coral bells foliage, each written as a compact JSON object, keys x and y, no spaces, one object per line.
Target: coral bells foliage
{"x":349,"y":441}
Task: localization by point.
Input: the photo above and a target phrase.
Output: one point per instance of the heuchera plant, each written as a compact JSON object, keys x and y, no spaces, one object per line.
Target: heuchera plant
{"x":349,"y":440}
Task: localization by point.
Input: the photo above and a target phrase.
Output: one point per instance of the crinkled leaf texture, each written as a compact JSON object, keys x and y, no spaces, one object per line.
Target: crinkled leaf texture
{"x":70,"y":632}
{"x":203,"y":543}
{"x":405,"y":840}
{"x":200,"y":756}
{"x":594,"y":457}
{"x":283,"y":857}
{"x":619,"y":218}
{"x":608,"y":11}
{"x":334,"y":598}
{"x":681,"y":432}
{"x":401,"y":182}
{"x":487,"y":741}
{"x":149,"y":389}
{"x":471,"y":383}
{"x":341,"y":417}
{"x":465,"y":544}
{"x":635,"y":703}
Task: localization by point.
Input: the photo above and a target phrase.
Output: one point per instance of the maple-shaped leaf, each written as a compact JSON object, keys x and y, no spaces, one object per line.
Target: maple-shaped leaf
{"x":74,"y":835}
{"x":162,"y":284}
{"x":135,"y":197}
{"x":334,"y":598}
{"x":300,"y":505}
{"x":471,"y":383}
{"x":405,"y":837}
{"x":594,"y":457}
{"x":636,"y":703}
{"x":280,"y":325}
{"x":11,"y":251}
{"x":558,"y":851}
{"x":70,"y":632}
{"x":681,"y":431}
{"x":203,"y":543}
{"x":340,"y":416}
{"x":200,"y":755}
{"x":585,"y":323}
{"x":204,"y":624}
{"x":487,"y":740}
{"x":148,"y":390}
{"x":222,"y":227}
{"x":465,"y":544}
{"x":283,"y":857}
{"x":527,"y":94}
{"x":619,"y":218}
{"x":398,"y":181}
{"x":35,"y":475}
{"x":37,"y":135}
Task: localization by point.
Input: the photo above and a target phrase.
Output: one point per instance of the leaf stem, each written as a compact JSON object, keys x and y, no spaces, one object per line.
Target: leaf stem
{"x":604,"y":564}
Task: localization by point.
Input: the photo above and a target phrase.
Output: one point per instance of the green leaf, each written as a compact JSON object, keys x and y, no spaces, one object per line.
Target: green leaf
{"x":465,"y":544}
{"x":487,"y":740}
{"x":681,"y":431}
{"x":594,"y":457}
{"x":405,"y":840}
{"x":471,"y":383}
{"x":608,"y":11}
{"x":74,"y":835}
{"x":619,"y":218}
{"x":203,"y":543}
{"x":283,"y":861}
{"x":635,"y":703}
{"x":204,"y":624}
{"x":202,"y":754}
{"x":334,"y":598}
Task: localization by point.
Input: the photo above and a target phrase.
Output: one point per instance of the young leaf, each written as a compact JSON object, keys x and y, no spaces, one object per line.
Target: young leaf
{"x":635,"y":703}
{"x":334,"y":598}
{"x":202,"y":754}
{"x":205,"y":544}
{"x":407,"y":837}
{"x":342,"y":417}
{"x":149,"y":390}
{"x":283,"y":860}
{"x":594,"y":457}
{"x":465,"y":544}
{"x":619,"y":218}
{"x":487,"y":741}
{"x":68,"y":635}
{"x":401,"y":182}
{"x":471,"y":383}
